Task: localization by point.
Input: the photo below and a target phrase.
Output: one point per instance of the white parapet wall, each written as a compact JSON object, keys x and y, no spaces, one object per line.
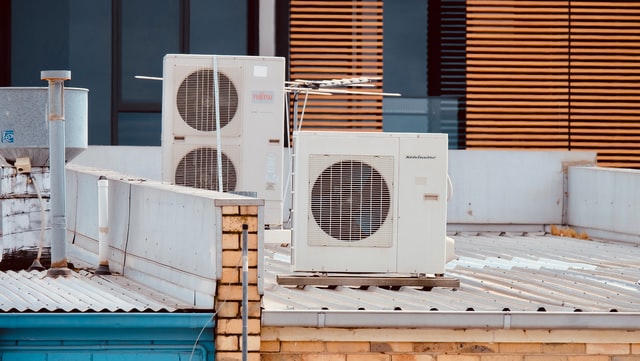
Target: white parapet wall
{"x":605,"y":202}
{"x":164,"y":236}
{"x":136,"y":161}
{"x":146,"y":161}
{"x":492,"y":189}
{"x":506,"y":189}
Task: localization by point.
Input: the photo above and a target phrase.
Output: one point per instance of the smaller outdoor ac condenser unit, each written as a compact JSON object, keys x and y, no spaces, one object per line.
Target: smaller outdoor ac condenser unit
{"x":369,"y":202}
{"x":250,"y":101}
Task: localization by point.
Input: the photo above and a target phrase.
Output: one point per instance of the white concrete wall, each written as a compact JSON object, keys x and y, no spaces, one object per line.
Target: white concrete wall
{"x":267,"y":23}
{"x":605,"y":202}
{"x":135,"y":161}
{"x":492,"y":189}
{"x":146,"y":162}
{"x":496,"y":187}
{"x":163,"y":236}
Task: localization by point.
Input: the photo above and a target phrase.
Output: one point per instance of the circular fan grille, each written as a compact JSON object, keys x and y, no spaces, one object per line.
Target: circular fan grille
{"x":199,"y":169}
{"x":196,"y":101}
{"x":350,"y":200}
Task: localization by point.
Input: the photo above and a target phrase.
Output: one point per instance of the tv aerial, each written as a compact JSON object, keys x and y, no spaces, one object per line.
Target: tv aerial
{"x":328,"y":87}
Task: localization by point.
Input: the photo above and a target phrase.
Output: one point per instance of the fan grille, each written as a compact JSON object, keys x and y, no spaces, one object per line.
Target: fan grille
{"x":350,"y":200}
{"x":199,"y":169}
{"x":196,"y":102}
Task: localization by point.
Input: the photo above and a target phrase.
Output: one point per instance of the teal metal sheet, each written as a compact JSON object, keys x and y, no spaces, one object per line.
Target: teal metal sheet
{"x":107,"y":336}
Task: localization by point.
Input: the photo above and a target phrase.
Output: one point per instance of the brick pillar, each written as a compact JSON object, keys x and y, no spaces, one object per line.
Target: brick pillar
{"x":229,"y":288}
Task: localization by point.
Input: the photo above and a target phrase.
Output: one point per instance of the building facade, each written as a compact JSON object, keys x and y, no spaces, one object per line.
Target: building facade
{"x":499,"y":74}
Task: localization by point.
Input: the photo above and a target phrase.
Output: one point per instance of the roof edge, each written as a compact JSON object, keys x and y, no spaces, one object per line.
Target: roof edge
{"x":454,"y":320}
{"x":106,"y":320}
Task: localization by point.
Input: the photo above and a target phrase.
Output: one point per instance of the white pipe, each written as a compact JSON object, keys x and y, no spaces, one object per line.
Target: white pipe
{"x":444,"y":319}
{"x":245,"y":290}
{"x":58,"y":210}
{"x":216,"y":103}
{"x":37,"y":265}
{"x":103,"y":226}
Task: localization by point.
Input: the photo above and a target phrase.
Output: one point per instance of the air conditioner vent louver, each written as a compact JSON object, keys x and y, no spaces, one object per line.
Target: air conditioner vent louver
{"x":196,"y":103}
{"x":199,"y":169}
{"x":350,"y":200}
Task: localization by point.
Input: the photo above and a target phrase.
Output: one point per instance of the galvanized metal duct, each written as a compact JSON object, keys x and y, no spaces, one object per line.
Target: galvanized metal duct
{"x":55,"y":113}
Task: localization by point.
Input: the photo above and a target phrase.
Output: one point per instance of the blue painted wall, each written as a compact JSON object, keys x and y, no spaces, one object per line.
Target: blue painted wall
{"x":106,"y":337}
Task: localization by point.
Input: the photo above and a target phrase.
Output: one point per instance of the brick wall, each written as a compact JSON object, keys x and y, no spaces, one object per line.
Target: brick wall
{"x":275,"y":349}
{"x":229,"y":289}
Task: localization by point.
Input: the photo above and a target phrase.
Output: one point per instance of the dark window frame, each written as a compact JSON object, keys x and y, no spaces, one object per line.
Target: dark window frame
{"x":5,"y":43}
{"x":117,"y":105}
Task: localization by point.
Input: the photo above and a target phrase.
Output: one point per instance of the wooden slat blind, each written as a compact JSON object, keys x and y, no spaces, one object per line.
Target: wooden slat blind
{"x":517,"y":78}
{"x":335,"y":40}
{"x":555,"y":74}
{"x":605,"y":80}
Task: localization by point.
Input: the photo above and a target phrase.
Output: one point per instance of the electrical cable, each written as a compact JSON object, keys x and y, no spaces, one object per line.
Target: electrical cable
{"x":215,"y":312}
{"x":36,"y":265}
{"x":304,"y":106}
{"x":289,"y":159}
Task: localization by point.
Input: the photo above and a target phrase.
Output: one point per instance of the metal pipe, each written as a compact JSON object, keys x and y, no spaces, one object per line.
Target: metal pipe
{"x":216,"y":104}
{"x":56,"y":80}
{"x":36,"y":265}
{"x":452,"y":320}
{"x":245,"y":290}
{"x":103,"y":226}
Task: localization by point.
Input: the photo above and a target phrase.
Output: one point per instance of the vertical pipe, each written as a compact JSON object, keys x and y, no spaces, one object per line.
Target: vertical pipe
{"x":103,"y":226}
{"x":216,"y":103}
{"x":56,"y":80}
{"x":295,"y":110}
{"x":245,"y":290}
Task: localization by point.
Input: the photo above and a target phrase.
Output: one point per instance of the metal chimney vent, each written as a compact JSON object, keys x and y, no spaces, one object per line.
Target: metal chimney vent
{"x":24,"y":128}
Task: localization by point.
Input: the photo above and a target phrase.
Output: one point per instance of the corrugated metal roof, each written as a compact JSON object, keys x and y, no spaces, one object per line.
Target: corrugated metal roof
{"x":498,"y":273}
{"x":82,"y":291}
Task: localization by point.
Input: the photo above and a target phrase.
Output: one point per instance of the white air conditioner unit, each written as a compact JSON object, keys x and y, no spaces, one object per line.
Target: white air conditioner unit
{"x":369,"y":202}
{"x":249,"y":93}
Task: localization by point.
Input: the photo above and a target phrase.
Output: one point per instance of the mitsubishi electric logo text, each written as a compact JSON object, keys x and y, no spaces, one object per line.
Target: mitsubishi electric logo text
{"x":420,"y":157}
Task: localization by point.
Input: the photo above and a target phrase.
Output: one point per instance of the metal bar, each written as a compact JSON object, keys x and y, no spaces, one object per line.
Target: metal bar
{"x":245,"y":288}
{"x":216,"y":102}
{"x":55,"y":113}
{"x":462,"y":320}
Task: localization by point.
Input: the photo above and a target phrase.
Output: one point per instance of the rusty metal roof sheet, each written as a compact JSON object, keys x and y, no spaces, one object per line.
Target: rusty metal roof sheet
{"x":82,"y":291}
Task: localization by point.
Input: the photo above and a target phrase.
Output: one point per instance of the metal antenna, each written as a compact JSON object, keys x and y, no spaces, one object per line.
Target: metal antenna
{"x":327,"y":87}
